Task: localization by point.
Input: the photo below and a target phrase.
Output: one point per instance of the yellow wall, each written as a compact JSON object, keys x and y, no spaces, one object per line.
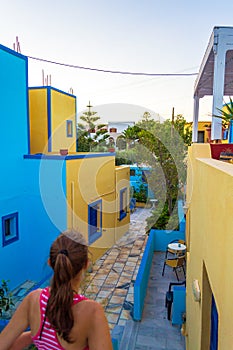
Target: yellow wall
{"x":38,"y":120}
{"x":202,"y":126}
{"x":53,"y":110}
{"x":63,"y":108}
{"x":91,"y":179}
{"x":209,"y":260}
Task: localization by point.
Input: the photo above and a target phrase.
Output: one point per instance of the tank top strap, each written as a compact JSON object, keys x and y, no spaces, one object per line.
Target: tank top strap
{"x":78,"y":297}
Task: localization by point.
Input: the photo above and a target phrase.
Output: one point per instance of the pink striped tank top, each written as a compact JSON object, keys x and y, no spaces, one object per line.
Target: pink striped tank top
{"x":49,"y":340}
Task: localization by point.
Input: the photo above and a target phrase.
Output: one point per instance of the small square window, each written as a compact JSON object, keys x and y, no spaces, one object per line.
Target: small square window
{"x":69,"y":128}
{"x":10,"y":229}
{"x":123,"y":203}
{"x":94,"y":221}
{"x":132,"y":172}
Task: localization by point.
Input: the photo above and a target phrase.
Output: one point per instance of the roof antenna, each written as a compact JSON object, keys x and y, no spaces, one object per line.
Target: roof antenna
{"x":16,"y":46}
{"x":46,"y":81}
{"x":43,"y":84}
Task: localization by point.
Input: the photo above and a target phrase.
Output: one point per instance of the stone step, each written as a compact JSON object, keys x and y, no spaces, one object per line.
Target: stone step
{"x":129,"y":335}
{"x":116,"y":335}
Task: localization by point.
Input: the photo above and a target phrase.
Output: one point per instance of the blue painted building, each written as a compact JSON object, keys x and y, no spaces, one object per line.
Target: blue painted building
{"x":23,"y":240}
{"x":41,"y":191}
{"x":139,"y":177}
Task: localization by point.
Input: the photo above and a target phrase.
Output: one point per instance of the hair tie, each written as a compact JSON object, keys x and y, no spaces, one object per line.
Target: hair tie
{"x":63,"y":251}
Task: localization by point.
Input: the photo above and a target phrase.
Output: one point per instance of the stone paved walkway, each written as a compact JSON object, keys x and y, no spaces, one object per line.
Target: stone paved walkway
{"x":111,"y":281}
{"x":113,"y":275}
{"x":155,"y":332}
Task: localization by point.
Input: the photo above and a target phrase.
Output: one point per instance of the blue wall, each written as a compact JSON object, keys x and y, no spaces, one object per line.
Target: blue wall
{"x":140,"y":179}
{"x":158,"y":241}
{"x":42,"y":216}
{"x":34,"y":188}
{"x":163,"y":237}
{"x":14,"y":142}
{"x":182,"y":221}
{"x":141,"y":283}
{"x":13,"y":120}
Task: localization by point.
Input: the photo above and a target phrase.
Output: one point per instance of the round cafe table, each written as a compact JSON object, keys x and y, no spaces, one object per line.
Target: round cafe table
{"x":153,"y":202}
{"x":177,"y":246}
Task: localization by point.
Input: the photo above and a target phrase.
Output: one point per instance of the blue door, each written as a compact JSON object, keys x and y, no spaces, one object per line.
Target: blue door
{"x":214,"y":326}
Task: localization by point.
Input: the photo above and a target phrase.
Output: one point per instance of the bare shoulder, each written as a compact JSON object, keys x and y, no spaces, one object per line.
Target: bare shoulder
{"x":34,"y":295}
{"x":90,"y":305}
{"x":89,"y":308}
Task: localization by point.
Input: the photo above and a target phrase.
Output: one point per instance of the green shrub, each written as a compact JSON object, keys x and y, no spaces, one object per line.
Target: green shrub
{"x":164,"y":221}
{"x":5,"y":298}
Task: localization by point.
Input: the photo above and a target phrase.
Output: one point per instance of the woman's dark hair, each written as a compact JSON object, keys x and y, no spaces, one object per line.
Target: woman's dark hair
{"x":68,"y":256}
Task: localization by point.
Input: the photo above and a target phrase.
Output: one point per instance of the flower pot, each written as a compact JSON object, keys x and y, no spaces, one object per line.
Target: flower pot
{"x":217,"y":148}
{"x":63,"y":152}
{"x":140,"y":204}
{"x":226,"y":157}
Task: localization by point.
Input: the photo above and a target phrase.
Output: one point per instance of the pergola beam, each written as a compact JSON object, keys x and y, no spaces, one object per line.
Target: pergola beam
{"x":215,"y":77}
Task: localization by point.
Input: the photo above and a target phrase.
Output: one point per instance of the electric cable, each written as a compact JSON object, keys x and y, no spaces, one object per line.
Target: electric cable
{"x":111,"y":71}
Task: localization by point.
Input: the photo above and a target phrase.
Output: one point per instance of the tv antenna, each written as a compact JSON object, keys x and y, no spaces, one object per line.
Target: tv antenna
{"x":16,"y":45}
{"x":46,"y":80}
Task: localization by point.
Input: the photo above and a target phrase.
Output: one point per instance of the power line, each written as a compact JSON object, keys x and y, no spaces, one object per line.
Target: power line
{"x":113,"y":71}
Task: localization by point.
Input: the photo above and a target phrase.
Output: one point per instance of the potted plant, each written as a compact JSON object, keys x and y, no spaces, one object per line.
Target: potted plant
{"x":217,"y":149}
{"x":140,"y":196}
{"x":227,"y":117}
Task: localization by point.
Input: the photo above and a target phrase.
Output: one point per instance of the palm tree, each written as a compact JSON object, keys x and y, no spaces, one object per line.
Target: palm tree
{"x":227,"y":117}
{"x":131,"y":135}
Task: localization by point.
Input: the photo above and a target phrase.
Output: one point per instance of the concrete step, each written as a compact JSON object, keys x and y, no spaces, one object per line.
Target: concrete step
{"x":116,"y":335}
{"x":129,"y":335}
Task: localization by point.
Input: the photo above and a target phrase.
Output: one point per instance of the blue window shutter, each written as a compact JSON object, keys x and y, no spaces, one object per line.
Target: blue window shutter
{"x":94,"y":221}
{"x":123,"y":203}
{"x":214,"y":326}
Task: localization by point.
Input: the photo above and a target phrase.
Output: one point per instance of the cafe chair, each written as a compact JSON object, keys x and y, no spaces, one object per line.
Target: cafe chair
{"x":175,"y":263}
{"x":169,"y":297}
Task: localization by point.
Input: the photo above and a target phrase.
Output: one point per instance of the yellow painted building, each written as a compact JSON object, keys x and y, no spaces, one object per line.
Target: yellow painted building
{"x":209,"y":235}
{"x":52,"y":120}
{"x":96,"y":192}
{"x":204,"y":129}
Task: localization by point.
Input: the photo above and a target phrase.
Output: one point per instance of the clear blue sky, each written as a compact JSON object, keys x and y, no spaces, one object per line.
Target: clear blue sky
{"x":154,"y":36}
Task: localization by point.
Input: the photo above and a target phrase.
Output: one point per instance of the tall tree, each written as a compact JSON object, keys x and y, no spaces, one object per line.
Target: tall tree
{"x":163,"y":146}
{"x":90,"y":134}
